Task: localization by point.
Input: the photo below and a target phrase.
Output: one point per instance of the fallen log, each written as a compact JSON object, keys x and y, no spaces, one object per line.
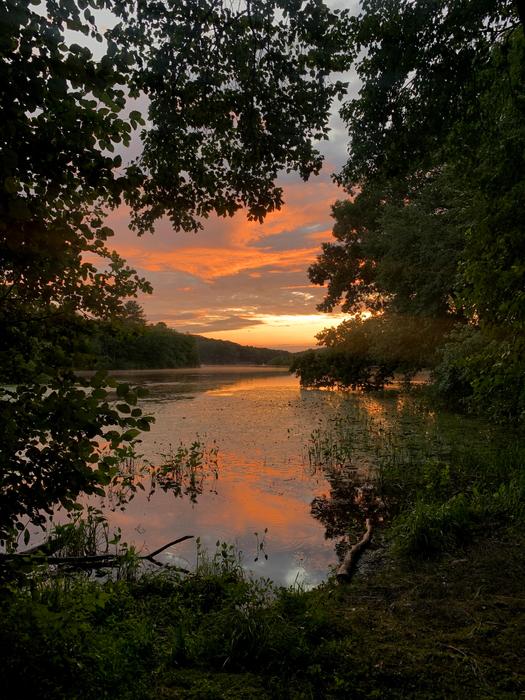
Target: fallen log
{"x":92,"y":561}
{"x":346,"y":570}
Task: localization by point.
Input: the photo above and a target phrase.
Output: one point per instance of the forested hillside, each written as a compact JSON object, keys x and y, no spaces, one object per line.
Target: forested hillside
{"x":129,"y":342}
{"x":117,"y":346}
{"x":224,"y":352}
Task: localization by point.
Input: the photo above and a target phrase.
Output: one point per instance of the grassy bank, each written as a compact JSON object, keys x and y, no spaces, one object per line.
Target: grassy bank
{"x":437,"y":608}
{"x":447,"y":629}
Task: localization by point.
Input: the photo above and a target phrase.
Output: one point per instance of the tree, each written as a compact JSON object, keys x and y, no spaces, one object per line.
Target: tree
{"x":365,"y":353}
{"x":420,"y":74}
{"x":133,"y":313}
{"x":443,"y":93}
{"x":396,"y":253}
{"x":234,"y":95}
{"x":437,"y":143}
{"x":126,"y":343}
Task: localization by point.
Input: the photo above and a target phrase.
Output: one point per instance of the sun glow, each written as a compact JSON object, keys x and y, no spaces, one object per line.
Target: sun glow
{"x":290,"y":332}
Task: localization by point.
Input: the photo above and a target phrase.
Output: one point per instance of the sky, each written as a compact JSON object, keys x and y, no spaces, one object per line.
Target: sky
{"x":240,"y":280}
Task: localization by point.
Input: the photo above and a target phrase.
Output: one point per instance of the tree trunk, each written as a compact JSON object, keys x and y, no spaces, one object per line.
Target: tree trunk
{"x":345,"y":571}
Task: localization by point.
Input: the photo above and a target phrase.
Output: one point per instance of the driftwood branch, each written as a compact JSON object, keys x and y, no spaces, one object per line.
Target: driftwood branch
{"x":170,"y":544}
{"x":346,"y":570}
{"x":93,"y":561}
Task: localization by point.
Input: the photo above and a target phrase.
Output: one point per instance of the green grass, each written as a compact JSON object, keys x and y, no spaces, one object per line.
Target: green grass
{"x":444,"y":479}
{"x":437,"y":609}
{"x":438,"y":505}
{"x":447,"y":629}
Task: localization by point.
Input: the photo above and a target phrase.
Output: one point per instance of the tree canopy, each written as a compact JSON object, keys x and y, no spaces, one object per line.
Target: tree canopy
{"x":434,"y":225}
{"x":395,"y":253}
{"x":420,"y":69}
{"x":233,"y":94}
{"x":237,"y":92}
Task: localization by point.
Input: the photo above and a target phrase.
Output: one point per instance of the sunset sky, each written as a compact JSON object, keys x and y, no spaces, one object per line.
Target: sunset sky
{"x":240,"y":280}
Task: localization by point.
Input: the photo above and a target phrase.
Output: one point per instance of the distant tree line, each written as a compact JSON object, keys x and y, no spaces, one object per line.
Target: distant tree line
{"x":129,"y":342}
{"x":150,"y":346}
{"x":224,"y":352}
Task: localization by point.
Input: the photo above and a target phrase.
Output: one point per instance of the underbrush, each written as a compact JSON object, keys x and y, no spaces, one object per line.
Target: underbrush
{"x":441,"y":616}
{"x":439,"y":505}
{"x":69,"y":636}
{"x":449,"y":629}
{"x":444,"y":479}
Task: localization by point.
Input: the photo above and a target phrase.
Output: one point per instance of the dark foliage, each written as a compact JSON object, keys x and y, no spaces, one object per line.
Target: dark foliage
{"x":435,"y":225}
{"x":234,"y":94}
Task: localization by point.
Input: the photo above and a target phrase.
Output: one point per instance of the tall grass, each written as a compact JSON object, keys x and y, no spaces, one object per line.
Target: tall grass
{"x":444,"y":478}
{"x":183,"y":470}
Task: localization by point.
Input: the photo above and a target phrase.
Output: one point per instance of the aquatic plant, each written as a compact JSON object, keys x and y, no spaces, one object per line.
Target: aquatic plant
{"x":441,"y":479}
{"x":184,"y":470}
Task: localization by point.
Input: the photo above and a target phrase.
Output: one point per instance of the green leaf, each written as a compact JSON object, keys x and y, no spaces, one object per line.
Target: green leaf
{"x":11,"y":185}
{"x":122,"y":390}
{"x":130,"y":435}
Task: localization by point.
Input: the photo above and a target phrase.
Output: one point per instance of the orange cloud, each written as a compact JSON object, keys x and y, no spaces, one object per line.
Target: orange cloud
{"x":306,"y":203}
{"x":225,"y":246}
{"x":320,"y":236}
{"x":210,"y":263}
{"x":233,"y":263}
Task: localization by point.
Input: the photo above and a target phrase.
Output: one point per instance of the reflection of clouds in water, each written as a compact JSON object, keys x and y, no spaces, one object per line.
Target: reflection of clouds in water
{"x":298,"y":577}
{"x":261,"y":420}
{"x":285,"y":570}
{"x":170,"y":558}
{"x":302,"y":573}
{"x":261,"y":429}
{"x":253,"y":383}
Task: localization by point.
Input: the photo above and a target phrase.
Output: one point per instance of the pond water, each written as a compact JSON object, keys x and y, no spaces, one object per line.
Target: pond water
{"x":260,"y":422}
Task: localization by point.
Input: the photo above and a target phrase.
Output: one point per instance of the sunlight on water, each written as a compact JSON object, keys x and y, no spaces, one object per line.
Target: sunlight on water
{"x":261,"y":422}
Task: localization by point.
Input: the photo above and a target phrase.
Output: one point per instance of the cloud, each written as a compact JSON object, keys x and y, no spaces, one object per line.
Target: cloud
{"x":304,"y":238}
{"x":247,"y":295}
{"x":211,"y":263}
{"x":236,"y":278}
{"x":288,"y":239}
{"x":239,"y":277}
{"x":206,"y":321}
{"x":227,"y":323}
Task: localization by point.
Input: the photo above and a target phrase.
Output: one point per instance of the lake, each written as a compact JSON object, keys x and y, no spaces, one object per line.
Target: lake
{"x":259,"y":421}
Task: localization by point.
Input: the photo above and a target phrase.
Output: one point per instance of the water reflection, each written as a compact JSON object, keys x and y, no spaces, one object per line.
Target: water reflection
{"x":186,"y":383}
{"x":261,"y":422}
{"x":185,"y":471}
{"x":345,"y":510}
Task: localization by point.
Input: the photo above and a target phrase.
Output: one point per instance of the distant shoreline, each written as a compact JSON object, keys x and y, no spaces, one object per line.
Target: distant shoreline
{"x":217,"y":369}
